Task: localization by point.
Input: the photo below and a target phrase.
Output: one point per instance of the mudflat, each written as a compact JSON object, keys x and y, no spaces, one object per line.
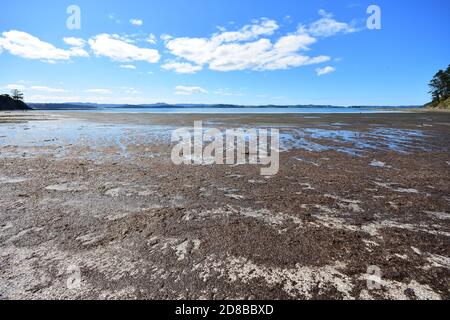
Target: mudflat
{"x":92,"y":207}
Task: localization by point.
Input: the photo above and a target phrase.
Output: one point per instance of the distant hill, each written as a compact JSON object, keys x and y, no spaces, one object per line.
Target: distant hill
{"x":63,"y":106}
{"x":7,"y":104}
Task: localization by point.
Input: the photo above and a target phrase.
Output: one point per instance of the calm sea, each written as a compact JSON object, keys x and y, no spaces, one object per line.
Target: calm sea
{"x":268,"y":110}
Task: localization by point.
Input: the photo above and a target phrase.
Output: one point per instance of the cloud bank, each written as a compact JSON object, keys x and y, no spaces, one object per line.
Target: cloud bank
{"x":325,"y":70}
{"x":250,"y":48}
{"x":25,"y":45}
{"x":187,"y":90}
{"x":115,"y":48}
{"x":258,"y":46}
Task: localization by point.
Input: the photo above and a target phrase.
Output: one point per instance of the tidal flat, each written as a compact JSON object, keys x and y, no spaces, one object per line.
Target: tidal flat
{"x":98,"y":192}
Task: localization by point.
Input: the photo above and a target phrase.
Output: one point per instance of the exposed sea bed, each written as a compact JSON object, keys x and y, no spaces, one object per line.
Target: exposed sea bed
{"x":50,"y":136}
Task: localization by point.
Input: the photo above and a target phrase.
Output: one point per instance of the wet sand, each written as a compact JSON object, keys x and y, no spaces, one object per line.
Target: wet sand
{"x":99,"y":192}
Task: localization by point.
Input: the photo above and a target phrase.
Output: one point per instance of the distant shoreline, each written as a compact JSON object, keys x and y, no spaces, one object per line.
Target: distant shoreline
{"x":93,"y":106}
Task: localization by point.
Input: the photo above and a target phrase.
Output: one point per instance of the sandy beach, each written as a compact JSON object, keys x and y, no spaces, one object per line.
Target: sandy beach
{"x":98,"y":192}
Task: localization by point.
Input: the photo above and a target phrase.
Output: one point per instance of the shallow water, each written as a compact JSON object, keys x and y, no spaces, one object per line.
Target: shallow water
{"x":39,"y":135}
{"x":356,"y":142}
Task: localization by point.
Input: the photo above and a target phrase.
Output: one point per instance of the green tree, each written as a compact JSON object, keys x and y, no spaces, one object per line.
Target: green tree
{"x":17,"y":95}
{"x":440,"y":85}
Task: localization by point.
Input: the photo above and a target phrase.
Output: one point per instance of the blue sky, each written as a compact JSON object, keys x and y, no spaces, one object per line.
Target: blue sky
{"x":209,"y":51}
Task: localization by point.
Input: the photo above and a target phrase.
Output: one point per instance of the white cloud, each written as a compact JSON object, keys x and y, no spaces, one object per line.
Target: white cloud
{"x":228,"y":92}
{"x":15,"y":86}
{"x":122,"y":99}
{"x":187,"y":91}
{"x":327,"y":26}
{"x":116,"y":49}
{"x":136,"y":22}
{"x":258,"y":28}
{"x":78,"y":52}
{"x":261,"y":54}
{"x":40,"y":98}
{"x":181,"y":67}
{"x":151,"y":38}
{"x":46,"y":89}
{"x":253,"y":48}
{"x":25,"y":45}
{"x":131,"y":90}
{"x":127,"y":66}
{"x":228,"y":51}
{"x":136,"y":37}
{"x":112,"y":16}
{"x":325,"y":70}
{"x":165,"y":37}
{"x":99,"y":91}
{"x":75,"y":42}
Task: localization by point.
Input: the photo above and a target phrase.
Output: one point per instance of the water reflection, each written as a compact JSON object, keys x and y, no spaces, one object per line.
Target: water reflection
{"x":42,"y":136}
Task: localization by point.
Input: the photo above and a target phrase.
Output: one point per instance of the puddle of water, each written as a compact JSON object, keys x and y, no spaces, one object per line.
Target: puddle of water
{"x":355,"y":142}
{"x":42,"y":136}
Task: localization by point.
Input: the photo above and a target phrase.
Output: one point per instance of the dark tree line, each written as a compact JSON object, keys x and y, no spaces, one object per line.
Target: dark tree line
{"x":440,"y":85}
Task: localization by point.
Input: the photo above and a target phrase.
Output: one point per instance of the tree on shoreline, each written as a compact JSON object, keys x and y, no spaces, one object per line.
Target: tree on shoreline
{"x":17,"y":95}
{"x":440,"y":86}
